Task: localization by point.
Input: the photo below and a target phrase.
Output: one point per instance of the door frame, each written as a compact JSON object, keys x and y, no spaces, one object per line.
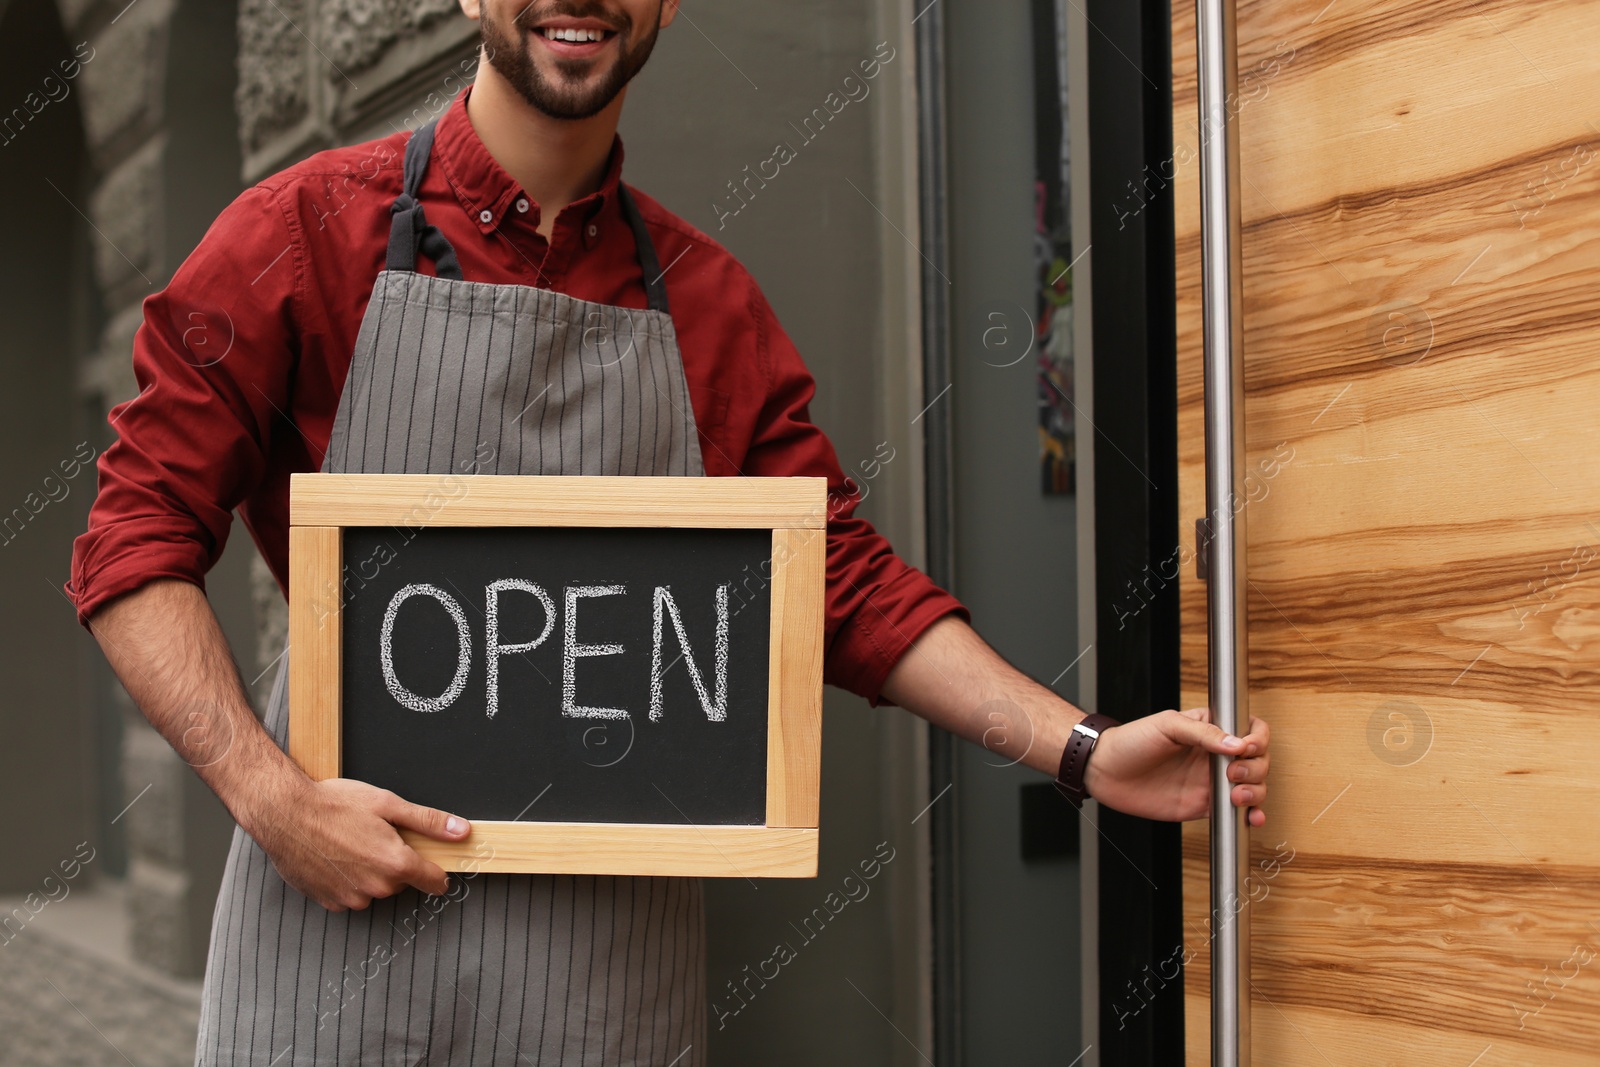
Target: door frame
{"x":1133,"y":902}
{"x":933,"y":191}
{"x":1133,"y":352}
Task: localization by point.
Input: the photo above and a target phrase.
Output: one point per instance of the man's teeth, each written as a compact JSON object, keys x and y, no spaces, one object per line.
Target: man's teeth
{"x":579,"y":36}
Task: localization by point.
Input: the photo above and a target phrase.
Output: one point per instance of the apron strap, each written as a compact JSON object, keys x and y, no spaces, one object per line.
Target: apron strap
{"x":409,"y":230}
{"x":655,"y":286}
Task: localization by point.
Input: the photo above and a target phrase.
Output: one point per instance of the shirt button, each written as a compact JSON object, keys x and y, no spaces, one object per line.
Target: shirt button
{"x":522,"y":206}
{"x":593,"y":230}
{"x":485,"y":216}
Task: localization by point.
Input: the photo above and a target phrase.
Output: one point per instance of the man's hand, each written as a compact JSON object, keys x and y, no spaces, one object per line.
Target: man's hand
{"x":1159,"y":767}
{"x":336,"y":842}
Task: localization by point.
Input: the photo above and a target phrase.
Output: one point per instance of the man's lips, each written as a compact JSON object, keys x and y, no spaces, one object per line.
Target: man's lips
{"x":572,"y":37}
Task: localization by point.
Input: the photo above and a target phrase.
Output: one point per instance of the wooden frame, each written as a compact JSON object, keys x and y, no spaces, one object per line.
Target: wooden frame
{"x":794,"y":509}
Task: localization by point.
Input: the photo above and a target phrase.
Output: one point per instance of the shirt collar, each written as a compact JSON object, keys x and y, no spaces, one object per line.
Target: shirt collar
{"x":482,"y":184}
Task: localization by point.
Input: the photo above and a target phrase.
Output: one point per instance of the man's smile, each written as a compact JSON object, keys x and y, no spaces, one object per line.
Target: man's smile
{"x":572,"y":38}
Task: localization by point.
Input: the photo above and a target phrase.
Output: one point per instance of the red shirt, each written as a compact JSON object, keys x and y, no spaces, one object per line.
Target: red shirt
{"x":241,"y":359}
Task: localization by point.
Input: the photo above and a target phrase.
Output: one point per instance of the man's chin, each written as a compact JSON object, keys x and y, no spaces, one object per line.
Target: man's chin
{"x":572,"y":102}
{"x":572,"y":79}
{"x":563,"y":87}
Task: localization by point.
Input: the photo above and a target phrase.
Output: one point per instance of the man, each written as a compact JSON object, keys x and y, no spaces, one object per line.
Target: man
{"x":423,"y":304}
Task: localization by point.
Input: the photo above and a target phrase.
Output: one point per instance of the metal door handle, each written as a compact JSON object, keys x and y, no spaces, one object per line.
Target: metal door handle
{"x":1225,"y":543}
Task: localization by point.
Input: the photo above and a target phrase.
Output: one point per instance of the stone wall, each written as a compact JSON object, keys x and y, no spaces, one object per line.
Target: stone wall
{"x":318,"y":73}
{"x":140,"y":116}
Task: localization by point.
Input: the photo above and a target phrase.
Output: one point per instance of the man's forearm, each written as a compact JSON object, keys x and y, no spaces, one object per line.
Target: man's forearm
{"x":952,"y":678}
{"x":166,"y":647}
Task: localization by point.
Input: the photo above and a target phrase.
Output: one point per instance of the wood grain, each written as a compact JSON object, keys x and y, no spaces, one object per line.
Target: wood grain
{"x":1421,"y":247}
{"x":1353,"y":933}
{"x":420,"y":500}
{"x":315,"y":680}
{"x":627,"y":848}
{"x":1311,"y":1035}
{"x":794,"y":687}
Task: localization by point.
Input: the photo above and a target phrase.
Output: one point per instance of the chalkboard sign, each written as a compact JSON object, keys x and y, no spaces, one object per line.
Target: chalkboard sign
{"x":606,"y":675}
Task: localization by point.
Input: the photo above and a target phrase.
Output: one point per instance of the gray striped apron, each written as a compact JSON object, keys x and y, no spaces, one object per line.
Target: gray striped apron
{"x":452,"y":376}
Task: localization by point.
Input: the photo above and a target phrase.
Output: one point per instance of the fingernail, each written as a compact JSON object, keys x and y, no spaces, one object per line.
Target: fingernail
{"x":455,"y":825}
{"x":1231,"y":740}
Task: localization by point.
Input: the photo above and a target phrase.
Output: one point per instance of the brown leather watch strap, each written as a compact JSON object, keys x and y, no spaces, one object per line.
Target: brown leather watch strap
{"x":1075,"y":759}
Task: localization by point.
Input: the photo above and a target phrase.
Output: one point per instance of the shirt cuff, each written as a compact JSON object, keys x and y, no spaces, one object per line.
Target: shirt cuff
{"x":116,"y":560}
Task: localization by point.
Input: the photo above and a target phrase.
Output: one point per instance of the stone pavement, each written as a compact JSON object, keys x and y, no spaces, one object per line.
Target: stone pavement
{"x":67,"y":1001}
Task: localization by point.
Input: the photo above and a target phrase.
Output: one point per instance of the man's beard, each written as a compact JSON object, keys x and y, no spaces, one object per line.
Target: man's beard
{"x":508,"y":54}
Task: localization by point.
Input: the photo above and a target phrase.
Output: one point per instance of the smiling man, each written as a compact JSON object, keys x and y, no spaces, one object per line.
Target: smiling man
{"x":435,"y":322}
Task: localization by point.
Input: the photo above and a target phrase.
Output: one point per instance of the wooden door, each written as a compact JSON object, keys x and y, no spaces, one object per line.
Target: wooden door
{"x":1421,"y":206}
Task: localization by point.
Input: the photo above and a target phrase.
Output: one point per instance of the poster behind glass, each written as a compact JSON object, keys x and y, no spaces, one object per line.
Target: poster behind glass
{"x":1053,"y":253}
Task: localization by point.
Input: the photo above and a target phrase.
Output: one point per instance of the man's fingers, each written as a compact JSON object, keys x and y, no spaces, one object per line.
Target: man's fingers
{"x":1248,"y":796}
{"x":439,"y":825}
{"x":1250,"y":773}
{"x":427,"y":876}
{"x":424,"y":874}
{"x":1257,"y":739}
{"x":1252,"y":770}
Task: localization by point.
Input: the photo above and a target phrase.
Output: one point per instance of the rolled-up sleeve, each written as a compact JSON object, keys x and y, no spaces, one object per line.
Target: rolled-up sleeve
{"x":877,"y":604}
{"x":213,"y":360}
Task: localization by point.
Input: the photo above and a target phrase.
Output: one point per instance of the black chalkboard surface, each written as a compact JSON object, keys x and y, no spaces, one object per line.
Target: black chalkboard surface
{"x":565,"y":726}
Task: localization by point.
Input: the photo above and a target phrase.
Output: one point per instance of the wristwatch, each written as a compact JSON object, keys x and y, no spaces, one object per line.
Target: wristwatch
{"x":1075,"y":760}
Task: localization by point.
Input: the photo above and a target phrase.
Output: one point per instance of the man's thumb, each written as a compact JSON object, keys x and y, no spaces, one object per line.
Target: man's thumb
{"x":1203,"y":735}
{"x":440,"y":825}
